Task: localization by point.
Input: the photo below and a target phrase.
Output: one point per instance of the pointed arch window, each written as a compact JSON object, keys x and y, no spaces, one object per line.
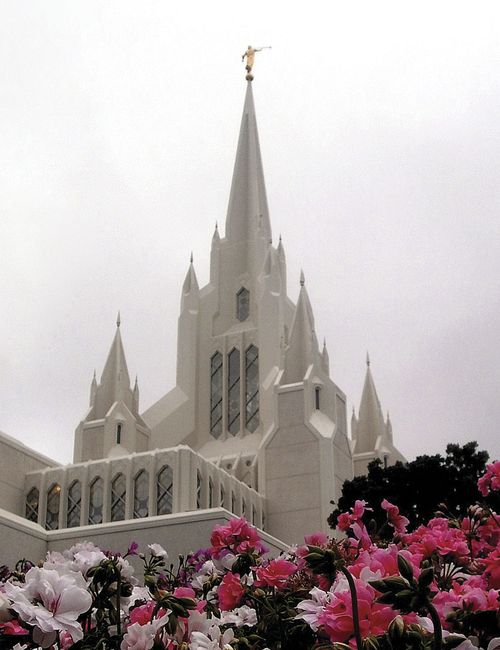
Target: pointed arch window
{"x":252,"y":388}
{"x":141,"y":495}
{"x":254,"y":516}
{"x":198,"y":489}
{"x":233,"y":392}
{"x":242,"y":304}
{"x":118,"y":495}
{"x":244,"y":509}
{"x":118,"y":433}
{"x":210,"y":493}
{"x":74,"y":504}
{"x":222,"y":496}
{"x":96,"y":501}
{"x":53,"y":507}
{"x":233,"y":503}
{"x":317,"y":398}
{"x":164,"y":490}
{"x":32,"y":501}
{"x":216,"y":395}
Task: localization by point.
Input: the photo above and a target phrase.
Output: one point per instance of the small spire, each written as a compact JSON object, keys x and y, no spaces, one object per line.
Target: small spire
{"x":118,"y":320}
{"x":302,"y":278}
{"x":95,"y":376}
{"x":191,"y":258}
{"x":367,"y":359}
{"x":280,"y":239}
{"x":136,"y":384}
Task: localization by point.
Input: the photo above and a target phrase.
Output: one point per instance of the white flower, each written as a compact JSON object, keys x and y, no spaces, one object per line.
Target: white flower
{"x":141,"y":637}
{"x":213,"y":640}
{"x":240,"y":616}
{"x":158,"y":551}
{"x":18,"y":646}
{"x":204,"y":575}
{"x":60,"y":600}
{"x":5,"y":614}
{"x":313,"y":608}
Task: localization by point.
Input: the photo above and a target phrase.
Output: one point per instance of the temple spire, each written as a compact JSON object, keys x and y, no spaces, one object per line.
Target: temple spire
{"x":371,"y":423}
{"x":247,"y":200}
{"x":115,"y":379}
{"x":303,"y":345}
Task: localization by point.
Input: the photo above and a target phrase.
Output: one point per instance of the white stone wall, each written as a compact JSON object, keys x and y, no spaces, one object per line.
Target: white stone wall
{"x":16,"y":461}
{"x":186,"y":466}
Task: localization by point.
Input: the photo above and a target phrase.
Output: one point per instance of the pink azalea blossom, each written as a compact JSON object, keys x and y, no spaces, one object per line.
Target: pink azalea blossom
{"x":275,"y":574}
{"x":397,"y":521}
{"x":492,"y":569}
{"x":238,"y":536}
{"x":491,"y":479}
{"x":13,"y":628}
{"x":144,"y":613}
{"x":230,"y":591}
{"x":316,"y":539}
{"x":337,"y":618}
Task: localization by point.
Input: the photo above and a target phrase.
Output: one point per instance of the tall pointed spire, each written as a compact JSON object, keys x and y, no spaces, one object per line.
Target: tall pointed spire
{"x":115,"y":379}
{"x":247,"y":200}
{"x":371,"y":423}
{"x":303,"y":345}
{"x":190,"y":287}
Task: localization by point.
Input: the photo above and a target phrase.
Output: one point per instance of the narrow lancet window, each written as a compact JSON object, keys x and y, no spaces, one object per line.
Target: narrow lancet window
{"x":252,"y":388}
{"x":233,"y":392}
{"x":32,"y":501}
{"x":141,"y":495}
{"x":74,"y":504}
{"x":198,"y":489}
{"x":96,"y":501}
{"x":317,"y":394}
{"x":164,"y":491}
{"x":118,"y":433}
{"x":222,"y":496}
{"x":118,"y":495}
{"x":242,"y":304}
{"x":216,"y":395}
{"x":53,"y":506}
{"x":210,"y":493}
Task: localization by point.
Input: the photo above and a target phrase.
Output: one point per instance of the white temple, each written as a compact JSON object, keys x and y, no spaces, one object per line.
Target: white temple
{"x":254,"y":426}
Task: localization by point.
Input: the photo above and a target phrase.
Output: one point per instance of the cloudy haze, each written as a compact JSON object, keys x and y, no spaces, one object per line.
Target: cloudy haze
{"x":380,"y":134}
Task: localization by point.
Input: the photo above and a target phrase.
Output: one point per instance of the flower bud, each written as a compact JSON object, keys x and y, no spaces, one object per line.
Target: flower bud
{"x":396,"y":629}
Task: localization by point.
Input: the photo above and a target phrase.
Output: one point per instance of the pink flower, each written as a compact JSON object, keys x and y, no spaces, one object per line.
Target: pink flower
{"x":237,"y":536}
{"x":316,"y":539}
{"x":492,"y":569}
{"x":144,"y":613}
{"x":337,"y":619}
{"x":438,"y":537}
{"x":184,"y":592}
{"x":397,"y":521}
{"x":490,"y":480}
{"x":275,"y":574}
{"x":344,"y":521}
{"x":230,"y":591}
{"x":12,"y":627}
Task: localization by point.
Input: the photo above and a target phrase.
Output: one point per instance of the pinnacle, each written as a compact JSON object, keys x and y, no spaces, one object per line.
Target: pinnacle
{"x":118,"y":320}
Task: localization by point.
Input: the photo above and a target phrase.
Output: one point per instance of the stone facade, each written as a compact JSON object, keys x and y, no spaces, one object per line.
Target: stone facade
{"x":254,"y":426}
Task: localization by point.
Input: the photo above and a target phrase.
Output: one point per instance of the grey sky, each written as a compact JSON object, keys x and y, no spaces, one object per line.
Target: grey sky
{"x":380,"y":134}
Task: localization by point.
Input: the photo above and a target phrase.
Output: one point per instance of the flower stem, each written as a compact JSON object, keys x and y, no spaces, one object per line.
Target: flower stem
{"x":438,"y":630}
{"x":355,"y":611}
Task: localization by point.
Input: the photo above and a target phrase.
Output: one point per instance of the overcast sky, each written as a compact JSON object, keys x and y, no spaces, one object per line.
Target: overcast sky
{"x":380,"y":133}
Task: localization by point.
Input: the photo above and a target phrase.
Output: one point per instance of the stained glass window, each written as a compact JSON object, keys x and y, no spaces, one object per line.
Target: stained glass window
{"x":233,"y":392}
{"x":96,"y":501}
{"x":53,"y":505}
{"x":252,"y":388}
{"x":32,"y":501}
{"x":118,"y":495}
{"x":74,"y":504}
{"x":242,"y":304}
{"x":164,"y":490}
{"x":216,"y":395}
{"x":141,"y":495}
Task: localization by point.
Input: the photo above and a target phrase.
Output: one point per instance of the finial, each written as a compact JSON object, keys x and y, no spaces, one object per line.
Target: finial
{"x":94,"y":378}
{"x":367,"y":360}
{"x":136,"y":385}
{"x":118,"y":320}
{"x":191,"y":258}
{"x":216,"y":225}
{"x":302,"y":278}
{"x":250,"y":55}
{"x":280,"y":238}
